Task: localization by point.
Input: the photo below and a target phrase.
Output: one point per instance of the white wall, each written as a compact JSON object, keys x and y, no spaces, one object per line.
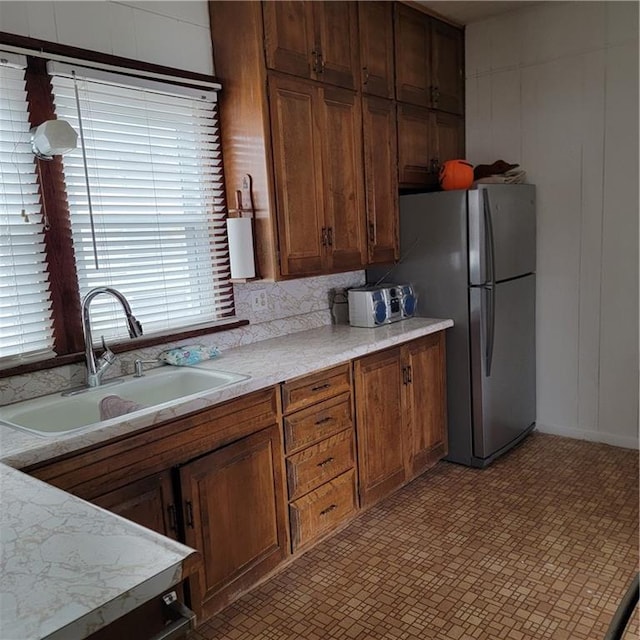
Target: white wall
{"x":175,"y":34}
{"x":555,"y":88}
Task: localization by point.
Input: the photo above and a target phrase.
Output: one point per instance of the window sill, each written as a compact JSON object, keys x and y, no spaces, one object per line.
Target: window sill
{"x":121,"y":347}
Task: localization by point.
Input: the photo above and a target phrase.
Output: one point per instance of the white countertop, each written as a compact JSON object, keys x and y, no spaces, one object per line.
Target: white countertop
{"x":268,"y":362}
{"x":69,"y":567}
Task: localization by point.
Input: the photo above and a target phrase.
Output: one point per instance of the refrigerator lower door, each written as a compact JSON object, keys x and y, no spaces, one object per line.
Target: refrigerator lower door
{"x":502,"y":365}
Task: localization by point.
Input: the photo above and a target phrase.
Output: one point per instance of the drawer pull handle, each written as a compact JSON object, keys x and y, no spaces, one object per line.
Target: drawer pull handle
{"x":325,"y":462}
{"x":329,"y":509}
{"x":326,"y":385}
{"x":324,"y":420}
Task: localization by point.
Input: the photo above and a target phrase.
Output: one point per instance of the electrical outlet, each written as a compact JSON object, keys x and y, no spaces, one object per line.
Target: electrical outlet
{"x":259,"y":300}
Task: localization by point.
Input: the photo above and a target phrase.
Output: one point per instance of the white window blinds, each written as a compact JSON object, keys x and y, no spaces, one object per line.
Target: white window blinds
{"x":145,"y":198}
{"x":25,"y":307}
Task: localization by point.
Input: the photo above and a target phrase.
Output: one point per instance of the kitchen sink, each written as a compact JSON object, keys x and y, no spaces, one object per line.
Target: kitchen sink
{"x":57,"y":414}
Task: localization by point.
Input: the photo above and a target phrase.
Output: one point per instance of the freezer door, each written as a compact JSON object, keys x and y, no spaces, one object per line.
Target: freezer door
{"x":502,"y":232}
{"x":502,"y":363}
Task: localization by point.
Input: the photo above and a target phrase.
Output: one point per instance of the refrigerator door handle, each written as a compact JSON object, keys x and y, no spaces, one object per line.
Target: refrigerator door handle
{"x":490,"y":256}
{"x":490,"y":326}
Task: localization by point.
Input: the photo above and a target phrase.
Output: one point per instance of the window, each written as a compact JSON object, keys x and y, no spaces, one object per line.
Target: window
{"x":26,"y":329}
{"x":142,"y":209}
{"x":145,"y":199}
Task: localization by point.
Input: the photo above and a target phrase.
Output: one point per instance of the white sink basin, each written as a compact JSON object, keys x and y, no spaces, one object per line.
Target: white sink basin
{"x":56,"y":414}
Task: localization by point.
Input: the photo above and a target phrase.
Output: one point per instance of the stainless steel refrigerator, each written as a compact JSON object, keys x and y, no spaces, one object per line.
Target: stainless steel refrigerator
{"x":471,"y":256}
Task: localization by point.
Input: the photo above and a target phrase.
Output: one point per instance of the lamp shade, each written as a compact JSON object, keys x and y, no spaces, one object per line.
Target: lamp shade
{"x":53,"y":138}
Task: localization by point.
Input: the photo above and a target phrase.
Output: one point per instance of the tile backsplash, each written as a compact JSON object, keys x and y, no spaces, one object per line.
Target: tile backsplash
{"x":292,"y":305}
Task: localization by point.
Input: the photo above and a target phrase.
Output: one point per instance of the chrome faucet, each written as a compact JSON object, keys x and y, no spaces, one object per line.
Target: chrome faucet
{"x":96,"y":368}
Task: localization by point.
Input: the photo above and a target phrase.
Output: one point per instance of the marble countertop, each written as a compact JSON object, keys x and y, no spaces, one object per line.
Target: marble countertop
{"x":69,"y":567}
{"x":267,"y":362}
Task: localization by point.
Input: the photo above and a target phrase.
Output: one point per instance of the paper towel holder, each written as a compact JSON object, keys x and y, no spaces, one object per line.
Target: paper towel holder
{"x":244,"y":209}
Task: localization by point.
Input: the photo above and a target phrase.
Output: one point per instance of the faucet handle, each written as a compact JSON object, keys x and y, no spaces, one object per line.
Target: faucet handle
{"x":107,"y":358}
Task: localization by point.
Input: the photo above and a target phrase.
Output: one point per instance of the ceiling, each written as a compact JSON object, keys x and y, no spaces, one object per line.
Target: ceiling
{"x":467,"y":11}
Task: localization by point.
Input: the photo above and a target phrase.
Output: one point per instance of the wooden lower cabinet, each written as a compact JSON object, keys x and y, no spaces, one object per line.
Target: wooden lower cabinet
{"x":400,"y":414}
{"x":148,"y":502}
{"x":320,"y":453}
{"x":425,"y":402}
{"x":381,"y":450}
{"x":323,"y":509}
{"x":234,"y":513}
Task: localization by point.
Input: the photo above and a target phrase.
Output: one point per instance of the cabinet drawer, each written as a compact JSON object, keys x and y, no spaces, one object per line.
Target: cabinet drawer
{"x":318,"y":422}
{"x":300,"y":393}
{"x":322,"y":510}
{"x":321,"y":462}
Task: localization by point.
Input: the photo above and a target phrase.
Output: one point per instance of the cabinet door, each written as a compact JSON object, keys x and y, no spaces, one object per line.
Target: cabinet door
{"x":298,"y":175}
{"x":289,"y":37}
{"x":412,"y":48}
{"x":447,"y":60}
{"x":425,"y":402}
{"x":336,"y":33}
{"x":148,"y":502}
{"x":417,"y":162}
{"x":447,"y":136}
{"x":343,"y":179}
{"x":379,"y":424}
{"x":234,"y":513}
{"x":381,"y":178}
{"x":376,"y":48}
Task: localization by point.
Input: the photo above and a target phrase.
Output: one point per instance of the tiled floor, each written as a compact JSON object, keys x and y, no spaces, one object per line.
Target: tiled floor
{"x":542,"y":544}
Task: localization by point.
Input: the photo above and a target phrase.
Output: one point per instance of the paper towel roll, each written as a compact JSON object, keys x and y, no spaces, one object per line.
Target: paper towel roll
{"x":240,"y":235}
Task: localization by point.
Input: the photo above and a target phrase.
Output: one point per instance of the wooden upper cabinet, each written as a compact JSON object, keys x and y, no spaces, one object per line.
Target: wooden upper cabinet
{"x":318,"y":176}
{"x":343,"y":180}
{"x":297,"y":160}
{"x":413,"y":60}
{"x":234,"y":511}
{"x":376,"y":48}
{"x":336,"y":29}
{"x":417,"y":163}
{"x":426,"y":139}
{"x":447,"y":67}
{"x":316,"y":40}
{"x":289,"y":37}
{"x":381,"y":178}
{"x":429,"y":61}
{"x":447,"y":136}
{"x":426,"y":402}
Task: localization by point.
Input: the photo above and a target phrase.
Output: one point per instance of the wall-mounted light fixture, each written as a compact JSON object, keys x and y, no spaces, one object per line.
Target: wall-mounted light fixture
{"x":53,"y":138}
